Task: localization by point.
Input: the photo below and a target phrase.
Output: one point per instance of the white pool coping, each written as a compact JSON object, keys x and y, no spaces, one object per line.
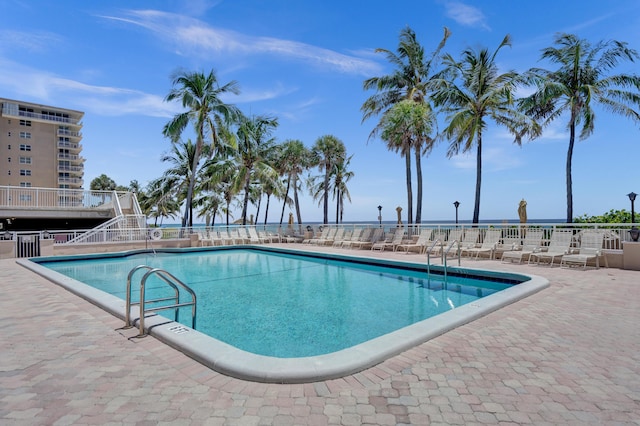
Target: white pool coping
{"x":235,"y":362}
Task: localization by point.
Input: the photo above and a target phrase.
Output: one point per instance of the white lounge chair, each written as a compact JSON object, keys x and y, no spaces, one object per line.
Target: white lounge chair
{"x":363,"y":235}
{"x":489,"y":243}
{"x":559,"y":245}
{"x":532,"y":243}
{"x":590,"y":249}
{"x":367,"y":243}
{"x":398,"y":236}
{"x":420,"y":245}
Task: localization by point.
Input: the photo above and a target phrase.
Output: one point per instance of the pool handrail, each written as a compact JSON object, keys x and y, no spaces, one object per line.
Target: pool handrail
{"x":172,"y":281}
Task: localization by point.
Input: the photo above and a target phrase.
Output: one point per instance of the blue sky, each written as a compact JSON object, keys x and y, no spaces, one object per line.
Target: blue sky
{"x":304,"y":62}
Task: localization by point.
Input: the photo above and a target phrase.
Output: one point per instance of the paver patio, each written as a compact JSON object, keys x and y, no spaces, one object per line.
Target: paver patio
{"x":567,"y":355}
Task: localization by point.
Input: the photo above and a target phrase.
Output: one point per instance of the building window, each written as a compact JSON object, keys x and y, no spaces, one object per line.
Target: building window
{"x":25,"y":184}
{"x":25,"y":197}
{"x":8,"y":159}
{"x":64,"y":186}
{"x":25,"y":123}
{"x":25,"y":172}
{"x":24,"y":147}
{"x":8,"y":146}
{"x":9,"y":134}
{"x":25,"y":135}
{"x":25,"y":160}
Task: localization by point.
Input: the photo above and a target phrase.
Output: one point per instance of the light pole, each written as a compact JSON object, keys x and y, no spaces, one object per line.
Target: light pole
{"x":380,"y":215}
{"x":456,"y":204}
{"x":634,"y":232}
{"x":632,"y":197}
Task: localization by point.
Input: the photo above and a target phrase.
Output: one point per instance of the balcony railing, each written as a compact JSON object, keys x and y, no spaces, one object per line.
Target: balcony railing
{"x":10,"y":110}
{"x":73,"y":169}
{"x":44,"y":198}
{"x":71,"y":157}
{"x":70,"y":180}
{"x":69,"y":145}
{"x":63,"y":132}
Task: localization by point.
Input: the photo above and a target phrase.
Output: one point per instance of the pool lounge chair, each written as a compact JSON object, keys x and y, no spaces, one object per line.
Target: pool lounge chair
{"x":357,"y":237}
{"x":397,"y":238}
{"x":510,"y":241}
{"x":328,"y":239}
{"x":532,"y":243}
{"x":346,"y":236}
{"x":420,"y":245}
{"x":489,"y":243}
{"x":469,"y":239}
{"x":254,"y":238}
{"x":375,"y":236}
{"x":446,"y":246}
{"x":559,"y":245}
{"x":323,"y":235}
{"x":590,"y":249}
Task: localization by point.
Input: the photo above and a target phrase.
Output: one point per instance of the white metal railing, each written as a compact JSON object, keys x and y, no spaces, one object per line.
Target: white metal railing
{"x":116,"y":229}
{"x":13,"y":110}
{"x":65,"y":132}
{"x":47,"y":198}
{"x":127,"y":227}
{"x":69,"y":145}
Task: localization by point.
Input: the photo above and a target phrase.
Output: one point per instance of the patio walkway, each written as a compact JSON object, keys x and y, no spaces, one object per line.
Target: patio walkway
{"x":567,"y":355}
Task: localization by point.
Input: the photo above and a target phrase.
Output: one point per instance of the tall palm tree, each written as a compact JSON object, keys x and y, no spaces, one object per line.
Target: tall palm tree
{"x":294,"y":160}
{"x":178,"y":176}
{"x":581,"y":80}
{"x":407,"y":126}
{"x":160,"y":201}
{"x":200,"y":95}
{"x":472,"y":92}
{"x":410,"y":81}
{"x":253,"y":157}
{"x":325,"y":153}
{"x":341,"y":175}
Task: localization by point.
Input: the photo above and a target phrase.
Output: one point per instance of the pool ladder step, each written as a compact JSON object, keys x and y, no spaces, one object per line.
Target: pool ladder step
{"x":169,"y":279}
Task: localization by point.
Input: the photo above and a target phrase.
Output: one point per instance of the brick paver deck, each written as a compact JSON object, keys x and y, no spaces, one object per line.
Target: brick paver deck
{"x":567,"y":355}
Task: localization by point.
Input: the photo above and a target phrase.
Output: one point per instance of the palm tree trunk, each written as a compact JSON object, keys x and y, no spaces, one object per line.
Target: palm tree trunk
{"x":286,"y":195}
{"x":409,"y":190}
{"x":266,"y":210}
{"x":295,"y":199}
{"x":572,"y":138}
{"x":337,"y":206}
{"x":258,"y":209}
{"x":419,"y":178}
{"x":326,"y":194}
{"x":476,"y":207}
{"x":245,"y":203}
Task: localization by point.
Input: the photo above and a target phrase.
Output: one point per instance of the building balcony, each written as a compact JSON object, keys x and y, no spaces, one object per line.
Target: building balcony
{"x":69,"y":133}
{"x":71,"y":157}
{"x":70,"y":181}
{"x":72,"y":146}
{"x":71,"y":169}
{"x":7,"y":111}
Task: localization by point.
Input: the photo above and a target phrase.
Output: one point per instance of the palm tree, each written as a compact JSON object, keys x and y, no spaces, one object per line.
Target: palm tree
{"x":178,"y":177}
{"x":200,"y":95}
{"x":410,"y":81}
{"x":160,"y":200}
{"x":472,"y":92}
{"x":407,"y":126}
{"x":582,"y":80}
{"x":325,"y":153}
{"x":102,"y":183}
{"x":294,"y":160}
{"x":341,"y":176}
{"x":253,"y":157}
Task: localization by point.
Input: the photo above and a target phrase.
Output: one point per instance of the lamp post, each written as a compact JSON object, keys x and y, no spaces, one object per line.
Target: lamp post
{"x":380,"y":215}
{"x":634,"y":232}
{"x":456,"y":204}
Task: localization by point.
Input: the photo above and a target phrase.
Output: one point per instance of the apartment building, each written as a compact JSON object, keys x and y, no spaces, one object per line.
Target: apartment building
{"x":40,"y":146}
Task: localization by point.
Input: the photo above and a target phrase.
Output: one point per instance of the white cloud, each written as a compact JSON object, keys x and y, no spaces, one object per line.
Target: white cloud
{"x":190,"y":36}
{"x":41,"y":86}
{"x":31,"y":41}
{"x":466,"y":15}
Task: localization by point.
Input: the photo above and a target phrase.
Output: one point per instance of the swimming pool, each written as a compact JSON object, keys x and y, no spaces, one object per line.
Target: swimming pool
{"x":326,"y":314}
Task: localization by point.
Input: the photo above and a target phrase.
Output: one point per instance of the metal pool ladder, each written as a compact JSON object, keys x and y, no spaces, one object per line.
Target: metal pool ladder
{"x":169,"y":279}
{"x":443,"y":255}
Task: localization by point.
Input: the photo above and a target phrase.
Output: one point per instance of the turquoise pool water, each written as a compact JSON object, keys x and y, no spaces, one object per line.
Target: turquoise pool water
{"x":287,"y":306}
